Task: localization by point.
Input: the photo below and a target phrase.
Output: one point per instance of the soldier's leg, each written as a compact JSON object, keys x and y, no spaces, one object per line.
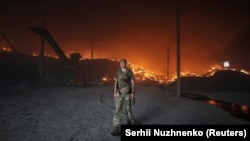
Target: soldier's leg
{"x":117,"y":116}
{"x":128,"y":108}
{"x":118,"y":110}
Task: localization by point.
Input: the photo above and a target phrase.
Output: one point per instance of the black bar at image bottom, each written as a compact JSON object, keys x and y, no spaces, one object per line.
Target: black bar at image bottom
{"x":194,"y":132}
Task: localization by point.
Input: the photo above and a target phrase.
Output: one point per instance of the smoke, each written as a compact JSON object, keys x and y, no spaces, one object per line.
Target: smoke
{"x":141,"y":31}
{"x":237,"y":50}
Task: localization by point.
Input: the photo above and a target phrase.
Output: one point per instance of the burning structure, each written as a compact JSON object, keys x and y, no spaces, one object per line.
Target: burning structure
{"x":73,"y":74}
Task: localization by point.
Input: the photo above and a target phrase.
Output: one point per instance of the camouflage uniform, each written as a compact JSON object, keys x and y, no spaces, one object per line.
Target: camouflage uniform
{"x":123,"y":79}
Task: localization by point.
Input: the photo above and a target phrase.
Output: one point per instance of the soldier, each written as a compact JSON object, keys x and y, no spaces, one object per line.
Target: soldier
{"x":124,"y":93}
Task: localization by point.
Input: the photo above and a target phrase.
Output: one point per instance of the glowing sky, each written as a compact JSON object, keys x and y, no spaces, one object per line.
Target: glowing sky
{"x":212,"y":31}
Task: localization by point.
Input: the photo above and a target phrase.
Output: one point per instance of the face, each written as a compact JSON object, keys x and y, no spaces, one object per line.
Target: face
{"x":122,"y":64}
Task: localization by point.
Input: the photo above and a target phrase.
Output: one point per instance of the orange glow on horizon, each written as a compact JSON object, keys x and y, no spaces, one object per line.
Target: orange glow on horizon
{"x":145,"y":74}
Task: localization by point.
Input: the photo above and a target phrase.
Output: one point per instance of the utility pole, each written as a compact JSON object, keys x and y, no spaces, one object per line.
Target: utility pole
{"x":92,"y":51}
{"x":168,"y":60}
{"x":41,"y":55}
{"x":178,"y":47}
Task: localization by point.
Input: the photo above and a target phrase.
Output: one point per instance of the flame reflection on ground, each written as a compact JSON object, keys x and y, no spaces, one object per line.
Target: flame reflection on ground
{"x":237,"y":110}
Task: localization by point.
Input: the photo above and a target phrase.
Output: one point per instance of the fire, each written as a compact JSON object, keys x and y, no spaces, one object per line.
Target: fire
{"x":4,"y":49}
{"x":106,"y":79}
{"x":244,"y":108}
{"x":47,"y":55}
{"x":243,"y":71}
{"x":212,"y":102}
{"x":161,"y":78}
{"x":142,"y":74}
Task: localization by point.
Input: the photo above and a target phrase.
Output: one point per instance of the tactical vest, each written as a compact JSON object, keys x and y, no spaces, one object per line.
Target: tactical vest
{"x":124,"y":82}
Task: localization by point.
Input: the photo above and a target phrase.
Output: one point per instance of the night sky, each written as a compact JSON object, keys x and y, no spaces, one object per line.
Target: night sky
{"x":212,"y":31}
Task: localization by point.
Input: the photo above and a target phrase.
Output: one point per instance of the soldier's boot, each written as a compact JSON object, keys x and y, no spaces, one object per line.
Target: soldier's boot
{"x":116,"y":131}
{"x":130,"y":122}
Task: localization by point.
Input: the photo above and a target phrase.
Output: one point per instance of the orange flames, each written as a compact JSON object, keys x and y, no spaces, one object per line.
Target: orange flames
{"x":142,"y":74}
{"x":4,"y":49}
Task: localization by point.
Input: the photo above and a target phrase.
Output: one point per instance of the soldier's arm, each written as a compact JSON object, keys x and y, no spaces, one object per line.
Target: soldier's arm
{"x":115,"y":88}
{"x":132,"y":78}
{"x":133,"y":85}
